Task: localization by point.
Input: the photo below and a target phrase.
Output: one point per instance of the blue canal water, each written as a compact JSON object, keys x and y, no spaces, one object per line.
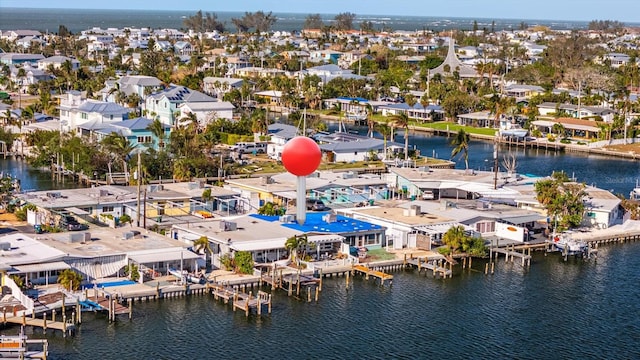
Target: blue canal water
{"x":554,"y":310}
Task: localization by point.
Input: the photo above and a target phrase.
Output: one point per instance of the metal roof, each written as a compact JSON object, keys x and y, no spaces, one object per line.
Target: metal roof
{"x":163,"y":255}
{"x":32,"y":268}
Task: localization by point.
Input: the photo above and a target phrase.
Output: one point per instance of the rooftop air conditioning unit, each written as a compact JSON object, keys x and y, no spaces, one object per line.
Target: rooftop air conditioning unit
{"x":228,"y":226}
{"x":329,"y":218}
{"x":287,"y":218}
{"x":53,"y":195}
{"x":5,"y":246}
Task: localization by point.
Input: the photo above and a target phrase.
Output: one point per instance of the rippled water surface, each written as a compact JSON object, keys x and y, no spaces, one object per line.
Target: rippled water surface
{"x":554,"y":310}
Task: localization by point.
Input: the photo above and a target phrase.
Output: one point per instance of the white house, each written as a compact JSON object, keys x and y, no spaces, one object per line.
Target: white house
{"x":206,"y":112}
{"x":75,"y":109}
{"x":164,"y":103}
{"x":57,"y":62}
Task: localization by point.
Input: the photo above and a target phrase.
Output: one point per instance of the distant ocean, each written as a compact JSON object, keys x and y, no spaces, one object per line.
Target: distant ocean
{"x":76,"y":20}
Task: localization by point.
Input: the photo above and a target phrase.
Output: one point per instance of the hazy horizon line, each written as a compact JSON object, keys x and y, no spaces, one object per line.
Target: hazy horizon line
{"x":329,"y":14}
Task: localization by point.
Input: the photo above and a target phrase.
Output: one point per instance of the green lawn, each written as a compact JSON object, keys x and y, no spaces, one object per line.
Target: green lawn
{"x":380,"y":254}
{"x":442,"y":125}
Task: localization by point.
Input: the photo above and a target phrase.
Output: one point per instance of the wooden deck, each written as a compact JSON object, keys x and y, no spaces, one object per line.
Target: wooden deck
{"x":375,"y":273}
{"x":437,"y":267}
{"x":66,"y":325}
{"x":241,"y":300}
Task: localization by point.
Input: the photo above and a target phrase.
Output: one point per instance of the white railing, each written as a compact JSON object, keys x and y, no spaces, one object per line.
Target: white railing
{"x":17,"y":293}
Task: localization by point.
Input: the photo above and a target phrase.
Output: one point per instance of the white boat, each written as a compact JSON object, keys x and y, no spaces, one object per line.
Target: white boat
{"x":635,"y":193}
{"x":569,"y":246}
{"x":186,"y":277}
{"x":357,"y":116}
{"x":509,"y":129}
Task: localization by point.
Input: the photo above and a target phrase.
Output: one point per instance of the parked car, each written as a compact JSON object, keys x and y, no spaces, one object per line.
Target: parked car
{"x":316,"y":205}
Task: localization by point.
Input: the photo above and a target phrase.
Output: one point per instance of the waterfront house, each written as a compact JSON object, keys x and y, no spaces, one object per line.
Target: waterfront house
{"x":603,"y":208}
{"x":348,"y":147}
{"x":76,"y":109}
{"x":580,"y":112}
{"x":482,"y":119}
{"x":405,"y":227}
{"x":134,"y":130}
{"x":265,"y":236}
{"x":164,"y":104}
{"x":574,"y":128}
{"x":418,"y":112}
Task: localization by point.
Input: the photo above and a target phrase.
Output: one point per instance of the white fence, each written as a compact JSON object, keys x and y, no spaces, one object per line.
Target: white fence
{"x":17,"y":293}
{"x":599,"y":144}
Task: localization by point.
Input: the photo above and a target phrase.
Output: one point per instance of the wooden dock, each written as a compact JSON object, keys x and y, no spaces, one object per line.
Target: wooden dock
{"x":288,"y":281}
{"x":368,"y":272}
{"x":241,"y":300}
{"x":437,"y":266}
{"x":67,"y":326}
{"x":512,"y":252}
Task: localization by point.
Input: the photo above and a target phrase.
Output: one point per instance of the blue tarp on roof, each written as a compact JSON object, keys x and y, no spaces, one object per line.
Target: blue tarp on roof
{"x":315,"y":224}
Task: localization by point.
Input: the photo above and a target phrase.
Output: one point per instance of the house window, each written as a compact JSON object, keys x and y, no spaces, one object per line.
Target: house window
{"x":84,"y":116}
{"x":485,"y":227}
{"x":107,"y":209}
{"x":144,"y":139}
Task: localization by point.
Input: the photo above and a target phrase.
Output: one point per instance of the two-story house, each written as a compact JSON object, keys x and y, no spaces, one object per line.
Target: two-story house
{"x":76,"y":109}
{"x":164,"y":103}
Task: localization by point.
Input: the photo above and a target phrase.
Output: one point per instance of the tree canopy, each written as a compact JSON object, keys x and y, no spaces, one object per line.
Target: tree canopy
{"x":313,"y":21}
{"x":563,"y":200}
{"x":204,"y":22}
{"x":259,"y":21}
{"x":344,"y":21}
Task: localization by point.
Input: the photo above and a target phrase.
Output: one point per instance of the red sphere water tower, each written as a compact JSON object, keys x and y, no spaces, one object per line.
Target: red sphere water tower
{"x":301,"y":157}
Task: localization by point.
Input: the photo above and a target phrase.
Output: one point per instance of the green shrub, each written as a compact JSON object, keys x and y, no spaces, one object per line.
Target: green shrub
{"x":21,"y":213}
{"x":125,"y":219}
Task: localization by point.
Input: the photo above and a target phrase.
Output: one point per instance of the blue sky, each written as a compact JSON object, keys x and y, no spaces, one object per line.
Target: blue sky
{"x":622,"y":10}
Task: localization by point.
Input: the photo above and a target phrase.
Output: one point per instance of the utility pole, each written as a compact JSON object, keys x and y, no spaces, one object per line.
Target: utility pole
{"x":139,"y":180}
{"x":495,"y":162}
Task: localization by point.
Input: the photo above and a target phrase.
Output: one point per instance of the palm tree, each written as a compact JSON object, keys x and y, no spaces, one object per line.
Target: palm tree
{"x":70,"y":279}
{"x":370,"y":123}
{"x":455,"y":238}
{"x":203,"y":246}
{"x":558,"y":129}
{"x":297,"y":246}
{"x":385,"y":130}
{"x":461,"y":143}
{"x":401,"y":120}
{"x":157,"y":130}
{"x":120,"y":147}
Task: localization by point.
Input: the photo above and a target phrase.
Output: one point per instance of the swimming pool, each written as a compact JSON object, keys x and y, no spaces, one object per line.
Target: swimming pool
{"x":108,"y":284}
